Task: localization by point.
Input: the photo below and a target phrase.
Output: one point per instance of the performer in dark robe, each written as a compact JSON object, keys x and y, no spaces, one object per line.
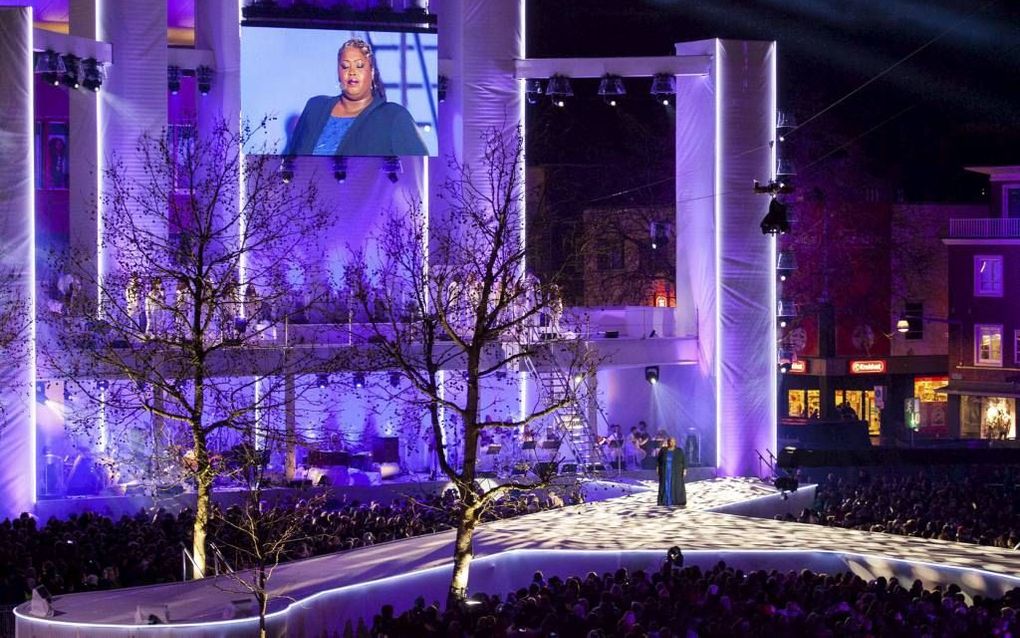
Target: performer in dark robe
{"x":672,"y":468}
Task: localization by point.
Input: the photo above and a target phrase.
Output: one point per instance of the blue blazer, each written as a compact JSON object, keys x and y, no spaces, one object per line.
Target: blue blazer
{"x":383,"y":128}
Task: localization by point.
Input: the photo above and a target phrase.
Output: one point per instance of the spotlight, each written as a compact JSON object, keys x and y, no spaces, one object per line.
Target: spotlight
{"x":40,"y":392}
{"x":322,"y":381}
{"x":394,"y":379}
{"x":393,"y":168}
{"x":559,"y":89}
{"x":533,"y":90}
{"x":359,"y":380}
{"x":442,"y":87}
{"x":71,"y":77}
{"x":784,"y":367}
{"x":173,"y":79}
{"x":67,"y":393}
{"x":775,"y":221}
{"x":663,"y":87}
{"x":103,"y":384}
{"x":287,"y":169}
{"x":652,"y":374}
{"x":340,"y":169}
{"x":578,"y":378}
{"x":772,"y":188}
{"x":50,"y":66}
{"x":203,"y":76}
{"x":610,"y":88}
{"x":92,"y":74}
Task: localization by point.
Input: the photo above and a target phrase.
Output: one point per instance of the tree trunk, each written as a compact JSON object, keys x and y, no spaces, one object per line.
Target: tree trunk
{"x":290,"y":417}
{"x":263,"y":600}
{"x":203,"y":505}
{"x":462,"y":555}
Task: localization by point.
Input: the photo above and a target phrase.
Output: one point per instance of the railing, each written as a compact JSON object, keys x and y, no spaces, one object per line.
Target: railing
{"x":989,"y":227}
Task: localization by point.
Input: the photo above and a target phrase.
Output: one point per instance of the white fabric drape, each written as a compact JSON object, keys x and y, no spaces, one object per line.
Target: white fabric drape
{"x":17,"y":190}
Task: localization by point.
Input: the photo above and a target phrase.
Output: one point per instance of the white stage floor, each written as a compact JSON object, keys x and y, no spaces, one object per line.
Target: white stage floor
{"x":630,"y":522}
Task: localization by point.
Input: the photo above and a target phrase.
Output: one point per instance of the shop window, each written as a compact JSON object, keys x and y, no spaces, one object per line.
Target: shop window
{"x":987,"y":275}
{"x":988,"y":345}
{"x":998,"y":418}
{"x":796,"y":403}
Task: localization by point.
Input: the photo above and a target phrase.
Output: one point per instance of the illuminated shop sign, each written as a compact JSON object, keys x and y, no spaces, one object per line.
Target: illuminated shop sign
{"x":870,"y":366}
{"x":798,"y":367}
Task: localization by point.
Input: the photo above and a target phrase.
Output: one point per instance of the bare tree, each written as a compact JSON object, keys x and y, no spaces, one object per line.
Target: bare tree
{"x":259,"y":535}
{"x":14,"y":327}
{"x":460,"y":312}
{"x":188,"y":317}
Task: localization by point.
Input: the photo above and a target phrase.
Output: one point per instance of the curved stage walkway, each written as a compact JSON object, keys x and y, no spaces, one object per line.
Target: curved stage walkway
{"x":631,"y":522}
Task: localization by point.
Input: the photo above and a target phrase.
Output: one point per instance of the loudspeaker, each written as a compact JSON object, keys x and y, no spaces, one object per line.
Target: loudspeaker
{"x":386,"y":449}
{"x":152,"y":614}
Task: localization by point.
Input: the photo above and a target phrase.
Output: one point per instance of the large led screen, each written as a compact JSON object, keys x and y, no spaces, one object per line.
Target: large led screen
{"x":376,"y":97}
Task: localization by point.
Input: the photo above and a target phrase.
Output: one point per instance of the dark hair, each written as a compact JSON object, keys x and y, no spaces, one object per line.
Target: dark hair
{"x":378,"y":90}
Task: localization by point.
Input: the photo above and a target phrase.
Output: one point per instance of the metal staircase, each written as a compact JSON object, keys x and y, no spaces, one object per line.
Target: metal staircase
{"x":569,"y":423}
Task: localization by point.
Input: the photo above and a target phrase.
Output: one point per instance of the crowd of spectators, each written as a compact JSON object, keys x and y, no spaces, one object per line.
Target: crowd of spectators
{"x":88,"y":551}
{"x":977,"y":506}
{"x":720,"y":601}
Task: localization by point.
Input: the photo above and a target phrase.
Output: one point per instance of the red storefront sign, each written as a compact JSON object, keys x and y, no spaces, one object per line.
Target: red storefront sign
{"x":868,"y":366}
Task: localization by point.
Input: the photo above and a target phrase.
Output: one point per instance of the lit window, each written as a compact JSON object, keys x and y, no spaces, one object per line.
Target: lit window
{"x":988,"y":275}
{"x":988,"y":345}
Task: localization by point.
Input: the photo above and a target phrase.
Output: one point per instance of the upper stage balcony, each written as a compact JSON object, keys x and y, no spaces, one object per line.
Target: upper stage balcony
{"x":617,"y":337}
{"x":985,"y":228}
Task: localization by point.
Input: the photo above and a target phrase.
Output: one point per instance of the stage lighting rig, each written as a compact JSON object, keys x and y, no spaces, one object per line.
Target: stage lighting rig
{"x":287,"y":170}
{"x":559,"y":90}
{"x":203,"y":76}
{"x":340,"y":169}
{"x":393,"y":168}
{"x":71,"y":77}
{"x":92,"y":74}
{"x":663,"y":88}
{"x":173,"y":79}
{"x":50,"y":67}
{"x":611,"y":89}
{"x":772,"y":188}
{"x":775,"y":221}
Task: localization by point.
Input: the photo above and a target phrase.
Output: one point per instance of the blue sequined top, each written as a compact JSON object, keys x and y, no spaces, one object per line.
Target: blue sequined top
{"x":332,"y":133}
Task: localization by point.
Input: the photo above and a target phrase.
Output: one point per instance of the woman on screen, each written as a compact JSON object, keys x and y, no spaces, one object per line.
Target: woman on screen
{"x":359,"y":121}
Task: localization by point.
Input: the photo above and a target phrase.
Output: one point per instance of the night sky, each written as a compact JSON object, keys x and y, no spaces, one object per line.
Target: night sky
{"x":913,"y":126}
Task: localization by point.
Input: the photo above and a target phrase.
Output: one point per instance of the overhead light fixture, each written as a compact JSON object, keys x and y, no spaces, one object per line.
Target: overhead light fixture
{"x":663,"y":87}
{"x":393,"y":168}
{"x":92,"y":74}
{"x":559,"y":90}
{"x":903,"y":325}
{"x":533,"y":90}
{"x":652,"y":374}
{"x":340,"y":169}
{"x":775,"y":221}
{"x":203,"y":77}
{"x":49,"y":65}
{"x":611,"y":88}
{"x":287,"y":170}
{"x":359,"y":380}
{"x":173,"y":79}
{"x":322,"y":381}
{"x":442,"y":87}
{"x":71,"y":76}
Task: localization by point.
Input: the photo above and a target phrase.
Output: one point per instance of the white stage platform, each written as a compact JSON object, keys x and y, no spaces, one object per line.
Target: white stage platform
{"x":620,"y":525}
